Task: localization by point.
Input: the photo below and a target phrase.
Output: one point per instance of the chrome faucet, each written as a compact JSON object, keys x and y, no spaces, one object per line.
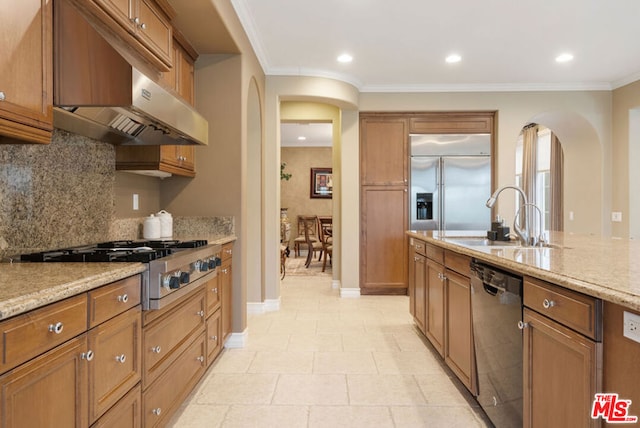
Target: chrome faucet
{"x":532,"y":240}
{"x":523,"y":235}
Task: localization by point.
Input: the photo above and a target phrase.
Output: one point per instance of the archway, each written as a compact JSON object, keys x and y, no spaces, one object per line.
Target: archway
{"x":583,"y":170}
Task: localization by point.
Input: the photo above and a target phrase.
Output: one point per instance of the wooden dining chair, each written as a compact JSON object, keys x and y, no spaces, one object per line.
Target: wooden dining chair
{"x":310,"y":227}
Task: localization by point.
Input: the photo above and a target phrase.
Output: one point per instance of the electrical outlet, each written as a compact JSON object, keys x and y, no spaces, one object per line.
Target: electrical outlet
{"x":631,"y":326}
{"x":136,"y":202}
{"x":616,"y":216}
{"x":571,"y":215}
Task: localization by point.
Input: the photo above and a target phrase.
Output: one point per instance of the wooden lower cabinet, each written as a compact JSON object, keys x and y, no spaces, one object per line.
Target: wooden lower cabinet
{"x":418,"y":289}
{"x":116,"y":366}
{"x":225,"y":274}
{"x":459,"y":342}
{"x":48,"y":391}
{"x":560,"y":374}
{"x":166,"y":394}
{"x":214,"y":336}
{"x":126,"y":413}
{"x":436,"y":305}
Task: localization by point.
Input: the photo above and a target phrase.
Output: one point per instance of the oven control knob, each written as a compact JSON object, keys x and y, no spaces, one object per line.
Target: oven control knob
{"x":203,"y":266}
{"x":212,"y":263}
{"x":184,"y":277}
{"x":174,"y":282}
{"x":218,"y":261}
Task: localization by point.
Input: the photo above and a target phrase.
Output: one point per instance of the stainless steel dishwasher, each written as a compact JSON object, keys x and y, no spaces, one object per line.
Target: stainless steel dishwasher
{"x":496,"y":305}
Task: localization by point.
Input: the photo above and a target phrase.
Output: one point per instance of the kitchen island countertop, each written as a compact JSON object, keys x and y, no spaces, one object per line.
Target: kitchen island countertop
{"x":605,"y":268}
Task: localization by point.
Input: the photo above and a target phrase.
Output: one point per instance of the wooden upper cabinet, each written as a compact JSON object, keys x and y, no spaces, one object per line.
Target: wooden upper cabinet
{"x":452,"y":123}
{"x":383,"y":148}
{"x":26,"y":78}
{"x":180,"y":78}
{"x":144,"y":25}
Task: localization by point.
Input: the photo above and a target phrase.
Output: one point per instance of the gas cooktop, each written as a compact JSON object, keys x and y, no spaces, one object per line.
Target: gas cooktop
{"x":114,"y":251}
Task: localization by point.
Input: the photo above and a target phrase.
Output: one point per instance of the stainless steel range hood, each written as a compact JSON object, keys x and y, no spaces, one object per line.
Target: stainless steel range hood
{"x":98,"y":94}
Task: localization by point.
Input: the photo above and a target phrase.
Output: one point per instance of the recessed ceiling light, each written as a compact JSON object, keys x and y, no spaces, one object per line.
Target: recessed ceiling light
{"x":565,"y":57}
{"x":302,"y":138}
{"x":344,"y":58}
{"x":453,"y":58}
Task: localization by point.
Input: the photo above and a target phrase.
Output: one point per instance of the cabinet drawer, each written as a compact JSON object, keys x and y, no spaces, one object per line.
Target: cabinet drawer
{"x":113,"y":299}
{"x":435,"y":253}
{"x":116,"y":364}
{"x":164,"y":338}
{"x":213,"y":295}
{"x":126,"y":413}
{"x":457,"y":262}
{"x":575,"y":310}
{"x":419,"y":246}
{"x":33,"y":333}
{"x":227,"y":251}
{"x":162,"y":399}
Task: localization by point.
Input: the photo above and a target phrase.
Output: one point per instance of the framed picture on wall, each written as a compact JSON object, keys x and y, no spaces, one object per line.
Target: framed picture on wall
{"x":321,"y":183}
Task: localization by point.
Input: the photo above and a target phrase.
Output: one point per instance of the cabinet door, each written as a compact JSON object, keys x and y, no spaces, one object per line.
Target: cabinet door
{"x":418,"y":268}
{"x":435,"y":296}
{"x":383,"y":151}
{"x":26,"y":63}
{"x":122,"y":11}
{"x":383,"y":246}
{"x":560,"y":374}
{"x":48,"y":391}
{"x":459,"y":344}
{"x":214,"y":343}
{"x":116,"y":367}
{"x":155,"y":31}
{"x":226,"y":288}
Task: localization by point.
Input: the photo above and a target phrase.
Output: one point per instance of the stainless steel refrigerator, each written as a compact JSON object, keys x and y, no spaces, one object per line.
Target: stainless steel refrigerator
{"x":450,"y":181}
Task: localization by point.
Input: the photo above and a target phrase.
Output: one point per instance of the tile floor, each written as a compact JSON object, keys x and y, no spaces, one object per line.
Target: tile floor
{"x":326,"y":361}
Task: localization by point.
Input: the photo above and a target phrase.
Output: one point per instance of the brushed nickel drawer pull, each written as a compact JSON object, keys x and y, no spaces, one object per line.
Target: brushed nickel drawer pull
{"x":121,"y":358}
{"x":546,"y":303}
{"x":522,"y":325}
{"x":214,"y":338}
{"x":124,"y":298}
{"x":200,"y":313}
{"x":200,"y":358}
{"x":87,"y":355}
{"x":56,"y":328}
{"x":157,"y":411}
{"x":156,"y":349}
{"x":2,"y":96}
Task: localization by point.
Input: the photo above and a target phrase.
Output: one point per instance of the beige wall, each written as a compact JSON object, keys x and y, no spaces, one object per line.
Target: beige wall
{"x":147,"y":189}
{"x":294,"y":193}
{"x":626,"y":159}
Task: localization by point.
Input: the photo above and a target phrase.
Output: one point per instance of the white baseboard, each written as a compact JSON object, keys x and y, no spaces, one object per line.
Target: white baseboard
{"x":237,"y":340}
{"x":350,"y":292}
{"x":269,"y":305}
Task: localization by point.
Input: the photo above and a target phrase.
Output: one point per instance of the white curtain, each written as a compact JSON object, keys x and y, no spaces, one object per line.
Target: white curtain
{"x":529,"y":171}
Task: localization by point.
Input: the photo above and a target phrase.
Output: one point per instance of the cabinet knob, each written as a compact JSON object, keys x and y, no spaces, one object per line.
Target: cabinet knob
{"x":157,"y":411}
{"x":200,"y":313}
{"x":214,"y":338}
{"x":143,"y":26}
{"x":522,"y":325}
{"x":87,"y":355}
{"x":56,"y":328}
{"x":215,"y":290}
{"x":200,"y":358}
{"x":546,"y":303}
{"x":156,"y":349}
{"x":124,"y":298}
{"x":2,"y":96}
{"x":121,"y":358}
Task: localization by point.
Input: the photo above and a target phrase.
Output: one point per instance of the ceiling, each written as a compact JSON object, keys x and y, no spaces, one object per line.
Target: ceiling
{"x":315,"y":134}
{"x":400,"y":46}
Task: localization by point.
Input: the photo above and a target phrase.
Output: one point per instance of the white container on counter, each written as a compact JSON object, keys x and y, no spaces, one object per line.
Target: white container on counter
{"x":151,"y":227}
{"x":166,"y":224}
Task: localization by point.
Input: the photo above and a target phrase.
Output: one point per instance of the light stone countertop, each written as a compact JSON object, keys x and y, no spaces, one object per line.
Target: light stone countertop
{"x":27,"y":286}
{"x":600,"y":267}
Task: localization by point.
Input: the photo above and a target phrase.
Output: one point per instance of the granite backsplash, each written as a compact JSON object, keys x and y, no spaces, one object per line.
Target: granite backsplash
{"x":62,"y":195}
